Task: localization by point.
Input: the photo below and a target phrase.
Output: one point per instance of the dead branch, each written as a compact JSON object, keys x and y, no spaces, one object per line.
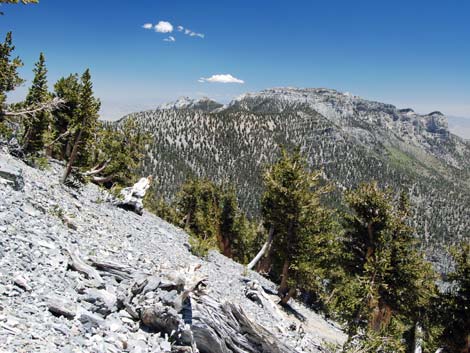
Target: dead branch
{"x":98,"y":168}
{"x":102,"y":180}
{"x":114,"y":269}
{"x":79,"y":265}
{"x":49,"y":106}
{"x":61,"y":136}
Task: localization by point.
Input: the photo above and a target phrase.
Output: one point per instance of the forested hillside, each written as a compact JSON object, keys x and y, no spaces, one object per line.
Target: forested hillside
{"x":349,"y":138}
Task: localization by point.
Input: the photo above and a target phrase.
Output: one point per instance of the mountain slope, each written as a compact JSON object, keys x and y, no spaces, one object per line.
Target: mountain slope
{"x":42,"y":222}
{"x":350,"y":138}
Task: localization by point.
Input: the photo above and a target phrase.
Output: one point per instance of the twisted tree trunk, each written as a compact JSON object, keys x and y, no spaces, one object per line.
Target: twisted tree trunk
{"x":73,"y":156}
{"x":263,"y":250}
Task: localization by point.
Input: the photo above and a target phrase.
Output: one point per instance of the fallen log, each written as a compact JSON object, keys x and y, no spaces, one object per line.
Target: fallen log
{"x":162,"y":319}
{"x":119,"y":271}
{"x":133,"y":196}
{"x":77,"y":264}
{"x":225,"y":328}
{"x":175,"y":304}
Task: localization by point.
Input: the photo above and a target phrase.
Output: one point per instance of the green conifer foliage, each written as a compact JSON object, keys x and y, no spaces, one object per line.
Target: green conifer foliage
{"x":238,"y":233}
{"x":199,"y":202}
{"x":303,"y":228}
{"x":211,"y":214}
{"x":68,"y":89}
{"x":159,"y":206}
{"x":87,"y":121}
{"x":118,"y":151}
{"x":84,"y":125}
{"x":456,"y":316}
{"x":35,"y":127}
{"x":389,"y":283}
{"x":9,"y":78}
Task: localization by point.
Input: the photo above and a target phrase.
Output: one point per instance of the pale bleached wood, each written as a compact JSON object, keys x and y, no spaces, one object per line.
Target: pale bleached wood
{"x":263,"y":250}
{"x":77,"y":264}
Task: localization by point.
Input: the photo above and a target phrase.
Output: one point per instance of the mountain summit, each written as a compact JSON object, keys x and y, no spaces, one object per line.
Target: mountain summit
{"x":204,"y":104}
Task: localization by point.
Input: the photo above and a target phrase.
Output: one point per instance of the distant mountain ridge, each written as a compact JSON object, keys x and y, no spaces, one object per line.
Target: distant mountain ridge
{"x":350,"y":138}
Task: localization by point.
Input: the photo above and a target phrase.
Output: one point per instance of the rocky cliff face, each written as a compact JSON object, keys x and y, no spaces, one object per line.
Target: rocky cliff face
{"x":78,"y":274}
{"x":349,"y":111}
{"x":350,"y":138}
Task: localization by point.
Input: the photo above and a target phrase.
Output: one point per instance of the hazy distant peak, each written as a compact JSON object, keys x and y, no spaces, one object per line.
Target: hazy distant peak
{"x":206,"y":104}
{"x":407,"y":111}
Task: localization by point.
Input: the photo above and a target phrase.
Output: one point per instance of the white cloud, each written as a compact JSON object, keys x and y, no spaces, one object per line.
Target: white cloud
{"x":170,"y":39}
{"x":190,"y":33}
{"x":167,"y":27}
{"x":194,"y":34}
{"x":221,"y":78}
{"x":164,"y":27}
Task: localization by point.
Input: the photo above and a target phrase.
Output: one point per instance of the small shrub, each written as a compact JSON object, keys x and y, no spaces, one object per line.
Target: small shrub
{"x":116,"y":191}
{"x":57,"y":212}
{"x":200,"y":247}
{"x":39,"y":162}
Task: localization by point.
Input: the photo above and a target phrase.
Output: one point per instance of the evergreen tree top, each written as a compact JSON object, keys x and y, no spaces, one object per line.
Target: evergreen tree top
{"x":39,"y":90}
{"x":9,"y":78}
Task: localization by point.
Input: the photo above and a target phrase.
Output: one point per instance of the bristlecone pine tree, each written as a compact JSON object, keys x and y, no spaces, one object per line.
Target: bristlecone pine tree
{"x":199,"y":201}
{"x":456,"y":336}
{"x":211,"y":213}
{"x":84,"y":126}
{"x":36,"y":127}
{"x":117,"y":154}
{"x":390,"y":284}
{"x":9,"y":78}
{"x":68,"y":89}
{"x":300,"y":226}
{"x":239,"y":234}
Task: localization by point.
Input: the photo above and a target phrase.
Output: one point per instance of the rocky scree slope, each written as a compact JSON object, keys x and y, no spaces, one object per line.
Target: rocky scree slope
{"x":350,"y":138}
{"x":78,"y":274}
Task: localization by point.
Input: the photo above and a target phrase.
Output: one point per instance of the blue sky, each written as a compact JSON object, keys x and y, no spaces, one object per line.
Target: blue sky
{"x":409,"y":53}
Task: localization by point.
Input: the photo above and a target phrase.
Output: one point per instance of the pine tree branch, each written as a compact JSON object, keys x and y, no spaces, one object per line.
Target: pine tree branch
{"x":41,"y":107}
{"x":61,"y":136}
{"x":102,"y":180}
{"x":97,"y":169}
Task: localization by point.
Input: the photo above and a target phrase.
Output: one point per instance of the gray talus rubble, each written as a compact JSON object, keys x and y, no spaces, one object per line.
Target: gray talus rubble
{"x":119,"y":282}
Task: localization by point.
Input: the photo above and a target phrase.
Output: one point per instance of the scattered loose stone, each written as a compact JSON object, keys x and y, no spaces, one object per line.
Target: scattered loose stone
{"x":117,"y":281}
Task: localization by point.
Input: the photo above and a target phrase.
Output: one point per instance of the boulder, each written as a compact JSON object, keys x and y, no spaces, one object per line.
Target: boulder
{"x":11,"y":175}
